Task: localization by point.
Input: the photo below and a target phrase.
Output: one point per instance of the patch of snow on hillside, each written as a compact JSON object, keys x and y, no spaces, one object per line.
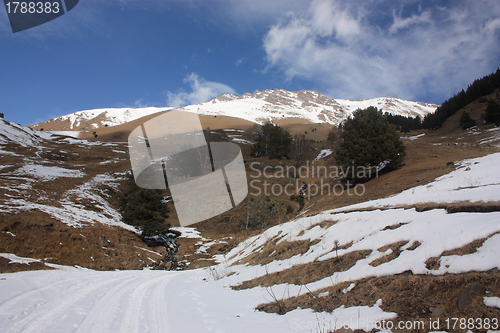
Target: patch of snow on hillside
{"x":74,"y":134}
{"x":13,"y":259}
{"x":411,"y":138}
{"x":203,"y":243}
{"x":323,"y":153}
{"x":74,"y":209}
{"x":47,"y":173}
{"x":15,"y":133}
{"x":495,"y":137}
{"x":493,"y":302}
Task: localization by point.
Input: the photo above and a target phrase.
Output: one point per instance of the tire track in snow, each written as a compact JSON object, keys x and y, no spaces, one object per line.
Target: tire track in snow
{"x":130,"y":323}
{"x":102,"y":311}
{"x":157,"y":312}
{"x":40,"y":318}
{"x":12,"y":301}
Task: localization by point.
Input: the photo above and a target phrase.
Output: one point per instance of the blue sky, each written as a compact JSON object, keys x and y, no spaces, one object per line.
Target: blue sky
{"x":136,"y":53}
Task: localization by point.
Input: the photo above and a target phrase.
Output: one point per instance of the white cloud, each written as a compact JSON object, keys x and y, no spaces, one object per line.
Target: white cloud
{"x":201,"y":91}
{"x":356,"y":52}
{"x":402,"y":23}
{"x":240,"y":61}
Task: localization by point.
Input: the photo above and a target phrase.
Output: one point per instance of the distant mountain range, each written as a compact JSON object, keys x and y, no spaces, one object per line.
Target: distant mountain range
{"x":259,"y":107}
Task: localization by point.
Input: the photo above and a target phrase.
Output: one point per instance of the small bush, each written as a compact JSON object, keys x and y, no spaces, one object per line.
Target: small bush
{"x":466,"y":121}
{"x":289,"y":209}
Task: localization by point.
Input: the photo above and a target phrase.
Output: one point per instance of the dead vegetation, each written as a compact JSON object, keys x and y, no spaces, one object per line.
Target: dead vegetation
{"x":412,"y":297}
{"x":307,"y":273}
{"x":434,"y":262}
{"x":277,"y":249}
{"x":37,"y":235}
{"x":395,"y":252}
{"x":6,"y":266}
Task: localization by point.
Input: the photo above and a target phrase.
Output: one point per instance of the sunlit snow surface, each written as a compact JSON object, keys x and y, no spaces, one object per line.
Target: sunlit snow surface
{"x":259,"y":107}
{"x":79,"y":300}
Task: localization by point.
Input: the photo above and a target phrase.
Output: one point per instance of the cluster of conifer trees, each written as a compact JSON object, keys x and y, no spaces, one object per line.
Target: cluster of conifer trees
{"x":479,"y":88}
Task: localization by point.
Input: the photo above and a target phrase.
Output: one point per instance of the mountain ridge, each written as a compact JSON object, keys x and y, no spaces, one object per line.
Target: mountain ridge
{"x":257,"y":107}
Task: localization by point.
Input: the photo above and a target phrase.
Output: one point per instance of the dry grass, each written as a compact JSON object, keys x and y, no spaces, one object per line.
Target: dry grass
{"x":395,"y":252}
{"x":434,"y":262}
{"x":8,"y":267}
{"x":323,"y":224}
{"x":424,"y":161}
{"x":100,"y":247}
{"x":475,"y":110}
{"x":277,"y":250}
{"x":412,"y":297}
{"x":307,"y":273}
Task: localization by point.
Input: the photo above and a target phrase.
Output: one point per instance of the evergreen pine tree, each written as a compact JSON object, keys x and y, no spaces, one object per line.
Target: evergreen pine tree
{"x":466,"y":121}
{"x":273,"y":142}
{"x":144,"y":209}
{"x":368,"y":140}
{"x":492,"y":113}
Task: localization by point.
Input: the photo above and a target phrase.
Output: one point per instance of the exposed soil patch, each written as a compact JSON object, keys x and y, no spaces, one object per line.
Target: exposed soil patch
{"x":323,"y":224}
{"x":307,"y":273}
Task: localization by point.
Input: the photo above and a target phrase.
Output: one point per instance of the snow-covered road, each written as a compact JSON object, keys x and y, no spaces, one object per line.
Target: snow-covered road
{"x":85,"y":301}
{"x":80,"y":300}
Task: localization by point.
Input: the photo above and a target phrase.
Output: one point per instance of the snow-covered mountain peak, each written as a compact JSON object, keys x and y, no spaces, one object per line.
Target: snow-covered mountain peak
{"x":258,"y":107}
{"x":312,"y":106}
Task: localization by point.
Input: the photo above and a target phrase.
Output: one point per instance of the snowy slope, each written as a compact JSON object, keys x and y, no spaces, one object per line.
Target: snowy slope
{"x":31,"y":178}
{"x":78,"y":300}
{"x":12,"y":133}
{"x":91,"y":119}
{"x":15,"y":133}
{"x":258,"y":107}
